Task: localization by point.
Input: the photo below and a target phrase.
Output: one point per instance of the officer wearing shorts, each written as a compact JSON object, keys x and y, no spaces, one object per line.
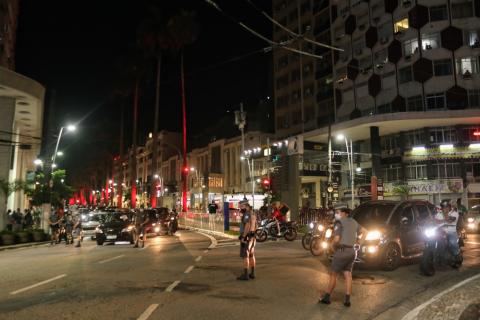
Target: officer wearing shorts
{"x":345,"y":234}
{"x":247,"y":240}
{"x":77,"y":229}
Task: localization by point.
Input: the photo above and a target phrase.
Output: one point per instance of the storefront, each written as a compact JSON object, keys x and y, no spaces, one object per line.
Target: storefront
{"x":431,"y":190}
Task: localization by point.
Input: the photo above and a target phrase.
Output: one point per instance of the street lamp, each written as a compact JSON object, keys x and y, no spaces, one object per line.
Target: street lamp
{"x":349,"y":147}
{"x":70,"y":128}
{"x":38,"y":162}
{"x":60,"y":154}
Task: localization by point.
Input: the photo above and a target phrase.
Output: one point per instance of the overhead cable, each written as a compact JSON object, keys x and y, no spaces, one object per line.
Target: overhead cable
{"x":294,"y":34}
{"x":273,"y":43}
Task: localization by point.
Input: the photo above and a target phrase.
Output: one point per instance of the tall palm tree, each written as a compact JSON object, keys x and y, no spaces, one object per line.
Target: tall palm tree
{"x":184,"y":31}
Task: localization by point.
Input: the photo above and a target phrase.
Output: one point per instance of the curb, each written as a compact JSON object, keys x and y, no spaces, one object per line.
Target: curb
{"x":23,"y":245}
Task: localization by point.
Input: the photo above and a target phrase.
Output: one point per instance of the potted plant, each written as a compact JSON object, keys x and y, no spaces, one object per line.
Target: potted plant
{"x":8,"y":237}
{"x":23,"y":236}
{"x":38,"y":235}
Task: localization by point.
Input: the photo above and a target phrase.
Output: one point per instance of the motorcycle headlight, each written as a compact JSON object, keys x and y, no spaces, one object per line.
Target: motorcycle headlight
{"x":172,"y":218}
{"x":328,"y":233}
{"x":373,"y":235}
{"x":320,"y":227}
{"x":157,"y":229}
{"x":311,"y":225}
{"x":430,"y":232}
{"x":470,"y":220}
{"x":262,"y":223}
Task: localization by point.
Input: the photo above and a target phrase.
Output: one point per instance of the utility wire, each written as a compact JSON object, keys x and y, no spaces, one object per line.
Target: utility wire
{"x":20,"y":135}
{"x":282,"y":44}
{"x":294,"y":34}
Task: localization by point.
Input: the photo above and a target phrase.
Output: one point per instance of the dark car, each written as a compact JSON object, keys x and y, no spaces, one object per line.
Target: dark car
{"x":159,"y":222}
{"x":115,"y":226}
{"x":394,"y":231}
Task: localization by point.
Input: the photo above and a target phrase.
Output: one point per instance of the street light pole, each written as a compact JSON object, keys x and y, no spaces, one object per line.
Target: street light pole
{"x":241,"y":121}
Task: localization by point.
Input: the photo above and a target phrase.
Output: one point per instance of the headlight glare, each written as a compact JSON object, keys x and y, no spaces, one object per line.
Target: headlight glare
{"x":470,"y":220}
{"x":373,"y":235}
{"x":311,"y":225}
{"x":430,"y":232}
{"x":320,"y":227}
{"x":328,"y":233}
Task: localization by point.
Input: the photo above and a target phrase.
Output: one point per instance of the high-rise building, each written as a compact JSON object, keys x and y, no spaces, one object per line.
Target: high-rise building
{"x":8,"y":32}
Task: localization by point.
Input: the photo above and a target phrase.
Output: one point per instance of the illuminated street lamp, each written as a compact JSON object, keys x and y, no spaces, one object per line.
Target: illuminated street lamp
{"x":38,"y":162}
{"x":70,"y":128}
{"x":59,"y":153}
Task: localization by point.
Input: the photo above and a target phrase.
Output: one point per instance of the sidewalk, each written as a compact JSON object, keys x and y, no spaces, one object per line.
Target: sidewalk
{"x":23,"y":245}
{"x":460,"y":302}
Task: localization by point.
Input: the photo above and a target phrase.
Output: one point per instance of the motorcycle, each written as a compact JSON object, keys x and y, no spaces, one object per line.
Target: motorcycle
{"x":314,"y":228}
{"x":437,"y":251}
{"x":172,"y":225}
{"x":268,"y":227}
{"x":321,"y":242}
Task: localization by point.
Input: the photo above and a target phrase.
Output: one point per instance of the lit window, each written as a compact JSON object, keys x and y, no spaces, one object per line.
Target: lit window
{"x":430,"y":41}
{"x":401,"y":25}
{"x":410,"y":47}
{"x":467,"y":65}
{"x":472,"y":38}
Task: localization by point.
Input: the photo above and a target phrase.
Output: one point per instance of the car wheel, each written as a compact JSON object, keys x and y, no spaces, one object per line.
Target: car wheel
{"x":391,"y":258}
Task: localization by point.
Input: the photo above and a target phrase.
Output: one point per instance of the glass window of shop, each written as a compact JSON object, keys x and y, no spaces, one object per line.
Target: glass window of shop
{"x":416,"y":171}
{"x":415,"y":138}
{"x":392,"y":172}
{"x":443,"y":169}
{"x":443,"y":135}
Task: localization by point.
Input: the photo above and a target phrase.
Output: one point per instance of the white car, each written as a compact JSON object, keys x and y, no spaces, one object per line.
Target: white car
{"x":90,"y":221}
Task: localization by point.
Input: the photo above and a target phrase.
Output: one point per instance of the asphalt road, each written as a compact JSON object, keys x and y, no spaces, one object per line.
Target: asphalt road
{"x":179,"y":278}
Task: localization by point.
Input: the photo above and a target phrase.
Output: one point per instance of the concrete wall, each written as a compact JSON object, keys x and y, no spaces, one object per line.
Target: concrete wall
{"x":7,"y":110}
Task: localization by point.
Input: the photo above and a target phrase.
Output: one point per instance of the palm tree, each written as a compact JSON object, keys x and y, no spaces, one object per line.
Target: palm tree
{"x":184,"y":31}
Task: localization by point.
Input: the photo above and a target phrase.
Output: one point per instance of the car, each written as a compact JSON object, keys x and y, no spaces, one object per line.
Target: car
{"x":115,"y":226}
{"x":158,"y":221}
{"x":394,"y":231}
{"x":472,"y":220}
{"x":90,"y":222}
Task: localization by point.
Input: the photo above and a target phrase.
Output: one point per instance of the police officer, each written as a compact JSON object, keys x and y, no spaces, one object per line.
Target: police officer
{"x":345,"y":235}
{"x":77,"y":229}
{"x":247,"y":240}
{"x":141,"y":220}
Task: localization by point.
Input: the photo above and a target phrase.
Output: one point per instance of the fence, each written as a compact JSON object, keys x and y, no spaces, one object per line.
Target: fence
{"x":205,"y":221}
{"x":308,"y":215}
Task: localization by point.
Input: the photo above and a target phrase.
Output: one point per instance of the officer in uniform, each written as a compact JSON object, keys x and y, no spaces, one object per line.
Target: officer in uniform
{"x":247,"y":240}
{"x":345,"y":234}
{"x":141,"y":220}
{"x":77,"y":228}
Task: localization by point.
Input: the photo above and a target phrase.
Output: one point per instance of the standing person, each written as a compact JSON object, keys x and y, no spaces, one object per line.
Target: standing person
{"x":8,"y":217}
{"x":54,"y":223}
{"x":28,"y":219}
{"x":212,"y":211}
{"x":345,"y":235}
{"x":141,"y":220}
{"x":77,"y":229}
{"x":247,"y":240}
{"x":277,"y":216}
{"x":17,"y":220}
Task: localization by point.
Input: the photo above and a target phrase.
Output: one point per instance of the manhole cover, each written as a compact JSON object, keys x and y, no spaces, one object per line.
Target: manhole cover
{"x":472,"y":312}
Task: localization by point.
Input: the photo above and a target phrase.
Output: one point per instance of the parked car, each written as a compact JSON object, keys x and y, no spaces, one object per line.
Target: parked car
{"x":394,"y":231}
{"x":115,"y":226}
{"x":472,"y":220}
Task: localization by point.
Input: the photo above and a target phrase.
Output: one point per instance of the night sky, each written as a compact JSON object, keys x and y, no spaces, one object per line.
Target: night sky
{"x":78,"y":49}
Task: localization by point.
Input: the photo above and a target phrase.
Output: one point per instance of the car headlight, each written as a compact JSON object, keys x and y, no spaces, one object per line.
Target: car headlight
{"x":470,"y":220}
{"x":127,"y":229}
{"x":157,"y":229}
{"x":98,"y":230}
{"x":154,"y":224}
{"x":320,"y":227}
{"x":311,"y":225}
{"x":373,"y":235}
{"x":430,"y":232}
{"x":328,"y":233}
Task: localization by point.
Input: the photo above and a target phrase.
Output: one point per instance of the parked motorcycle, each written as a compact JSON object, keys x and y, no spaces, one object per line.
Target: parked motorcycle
{"x":437,"y":251}
{"x":268,"y":227}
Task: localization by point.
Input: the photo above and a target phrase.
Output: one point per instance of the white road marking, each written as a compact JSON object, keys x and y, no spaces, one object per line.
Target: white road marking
{"x":111,"y":259}
{"x":197,"y":259}
{"x":189,"y":269}
{"x":414,"y":313}
{"x":172,"y":286}
{"x":38,"y":284}
{"x":213,"y":241}
{"x":148,"y":312}
{"x":471,"y":242}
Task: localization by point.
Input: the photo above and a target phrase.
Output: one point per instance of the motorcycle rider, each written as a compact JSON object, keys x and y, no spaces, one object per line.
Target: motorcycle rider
{"x":345,"y":234}
{"x":277,"y":216}
{"x":247,"y":240}
{"x":141,"y":220}
{"x":449,"y":216}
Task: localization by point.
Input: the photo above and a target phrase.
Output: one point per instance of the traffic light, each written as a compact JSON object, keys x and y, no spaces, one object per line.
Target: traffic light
{"x":266,"y":183}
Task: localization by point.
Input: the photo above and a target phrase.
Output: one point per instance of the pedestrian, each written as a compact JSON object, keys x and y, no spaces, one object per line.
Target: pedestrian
{"x":8,"y":218}
{"x":54,"y":223}
{"x":346,"y":231}
{"x":28,"y":219}
{"x":77,"y":229}
{"x":248,"y":226}
{"x":141,"y":220}
{"x":17,"y":220}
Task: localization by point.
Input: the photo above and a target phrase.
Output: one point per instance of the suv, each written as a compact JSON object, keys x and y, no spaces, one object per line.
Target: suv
{"x":394,"y":231}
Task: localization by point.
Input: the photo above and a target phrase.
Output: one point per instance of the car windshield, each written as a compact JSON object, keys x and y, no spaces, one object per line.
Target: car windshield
{"x":115,"y":217}
{"x":373,"y":213}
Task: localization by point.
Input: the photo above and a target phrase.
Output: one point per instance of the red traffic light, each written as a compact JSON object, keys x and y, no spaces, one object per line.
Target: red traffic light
{"x":266,"y":182}
{"x":186,"y":169}
{"x":476,"y":133}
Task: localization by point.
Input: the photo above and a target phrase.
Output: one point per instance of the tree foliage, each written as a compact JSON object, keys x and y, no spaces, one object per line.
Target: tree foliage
{"x":55,"y":195}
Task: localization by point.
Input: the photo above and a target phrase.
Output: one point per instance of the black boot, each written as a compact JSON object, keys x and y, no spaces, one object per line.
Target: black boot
{"x":252,"y":273}
{"x":347,"y":301}
{"x":325,"y":299}
{"x":244,"y":276}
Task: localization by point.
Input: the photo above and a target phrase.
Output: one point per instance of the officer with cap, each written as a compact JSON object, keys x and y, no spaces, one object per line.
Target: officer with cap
{"x":345,"y":234}
{"x":247,"y":240}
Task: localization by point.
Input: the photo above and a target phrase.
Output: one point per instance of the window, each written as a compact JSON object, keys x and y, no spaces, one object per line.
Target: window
{"x":447,"y":170}
{"x":410,"y":47}
{"x":384,"y":32}
{"x":436,"y":101}
{"x":471,"y":38}
{"x":295,"y":75}
{"x":416,"y":171}
{"x":306,"y":27}
{"x":381,"y":56}
{"x":305,"y":7}
{"x":443,"y":135}
{"x":392,"y":173}
{"x":389,"y":143}
{"x":405,"y":75}
{"x":295,"y":95}
{"x":474,"y":98}
{"x":283,"y":101}
{"x":384,"y":108}
{"x":438,"y":13}
{"x":430,"y":41}
{"x":296,"y":117}
{"x":469,"y":134}
{"x":308,"y":92}
{"x":388,"y":80}
{"x":407,"y":216}
{"x":442,"y":67}
{"x":282,"y":62}
{"x":415,"y":138}
{"x":293,"y":16}
{"x":462,"y":10}
{"x":282,"y":81}
{"x":358,"y":45}
{"x":467,"y":65}
{"x":308,"y":70}
{"x":400,"y":25}
{"x":414,"y":103}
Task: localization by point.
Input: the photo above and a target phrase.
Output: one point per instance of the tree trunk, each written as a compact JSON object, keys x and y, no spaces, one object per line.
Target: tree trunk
{"x":184,"y":124}
{"x":133,"y":172}
{"x":154,"y":167}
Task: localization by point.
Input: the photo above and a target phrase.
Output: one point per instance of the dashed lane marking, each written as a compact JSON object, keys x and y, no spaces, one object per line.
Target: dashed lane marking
{"x":148,"y":312}
{"x":38,"y":284}
{"x":189,"y":269}
{"x":172,"y":286}
{"x":111,"y":259}
{"x":197,"y":259}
